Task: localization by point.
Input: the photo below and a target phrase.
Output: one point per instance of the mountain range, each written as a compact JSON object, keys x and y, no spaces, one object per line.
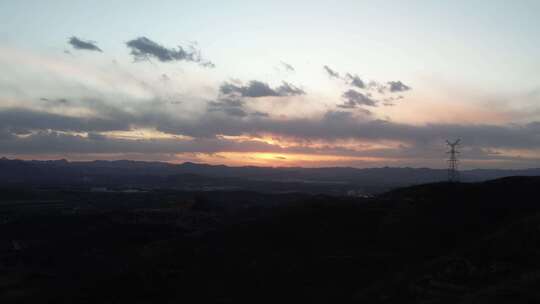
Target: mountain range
{"x":140,"y":174}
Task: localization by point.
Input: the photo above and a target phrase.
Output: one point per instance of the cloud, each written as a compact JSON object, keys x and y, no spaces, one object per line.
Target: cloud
{"x":56,"y":100}
{"x":331,"y":73}
{"x":349,"y":79}
{"x":139,"y":103}
{"x":334,"y":125}
{"x":49,"y":135}
{"x":57,"y":142}
{"x":355,"y":81}
{"x":257,"y":88}
{"x":50,"y":144}
{"x":20,"y":128}
{"x":373,"y":85}
{"x":397,"y":86}
{"x":354,"y":98}
{"x":331,"y":126}
{"x":260,"y":114}
{"x":287,"y":89}
{"x":231,"y":107}
{"x":143,"y":48}
{"x":34,"y":132}
{"x":235,"y":107}
{"x":79,"y":44}
{"x":287,"y":66}
{"x":26,"y":120}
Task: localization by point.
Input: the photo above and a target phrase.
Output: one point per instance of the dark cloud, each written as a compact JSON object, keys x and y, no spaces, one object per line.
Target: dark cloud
{"x":253,"y":89}
{"x":55,"y":100}
{"x":332,"y":126}
{"x":96,"y":136}
{"x":6,"y":134}
{"x":355,"y":81}
{"x":231,"y":107}
{"x":397,"y":86}
{"x":51,"y":142}
{"x":143,"y":48}
{"x":257,"y":88}
{"x":24,"y":119}
{"x":346,"y":126}
{"x":287,"y":66}
{"x":56,"y":142}
{"x":239,"y":112}
{"x":354,"y":98}
{"x":46,"y":132}
{"x":331,"y":73}
{"x":260,"y":114}
{"x":287,"y":89}
{"x":79,"y":44}
{"x":337,"y":125}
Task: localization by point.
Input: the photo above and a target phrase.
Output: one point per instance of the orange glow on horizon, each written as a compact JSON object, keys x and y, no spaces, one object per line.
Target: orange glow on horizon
{"x":283,"y":159}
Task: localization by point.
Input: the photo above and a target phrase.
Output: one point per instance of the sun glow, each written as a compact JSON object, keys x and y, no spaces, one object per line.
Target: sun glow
{"x":282,"y":159}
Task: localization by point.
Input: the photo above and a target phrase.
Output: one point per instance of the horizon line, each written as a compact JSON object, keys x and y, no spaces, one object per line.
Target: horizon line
{"x":4,"y":158}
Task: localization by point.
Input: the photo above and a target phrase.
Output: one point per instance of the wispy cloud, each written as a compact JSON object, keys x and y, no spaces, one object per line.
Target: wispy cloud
{"x":331,"y":73}
{"x":354,"y":99}
{"x":143,"y":48}
{"x":397,"y":86}
{"x":257,"y":88}
{"x":287,"y":67}
{"x":80,"y":44}
{"x":355,"y":81}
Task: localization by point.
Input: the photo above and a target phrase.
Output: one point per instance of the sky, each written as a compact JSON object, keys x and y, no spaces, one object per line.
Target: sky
{"x":272,"y":83}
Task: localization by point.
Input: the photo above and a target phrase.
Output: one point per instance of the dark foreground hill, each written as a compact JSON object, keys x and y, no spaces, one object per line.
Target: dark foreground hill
{"x":433,"y":243}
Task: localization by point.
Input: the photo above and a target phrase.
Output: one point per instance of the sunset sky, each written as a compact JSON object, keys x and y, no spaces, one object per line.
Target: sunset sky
{"x":272,"y":83}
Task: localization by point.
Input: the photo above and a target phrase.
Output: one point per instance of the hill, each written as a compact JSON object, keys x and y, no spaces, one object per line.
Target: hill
{"x":431,"y":243}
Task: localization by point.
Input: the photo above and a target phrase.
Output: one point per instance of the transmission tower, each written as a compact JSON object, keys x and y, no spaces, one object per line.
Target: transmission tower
{"x":453,"y":174}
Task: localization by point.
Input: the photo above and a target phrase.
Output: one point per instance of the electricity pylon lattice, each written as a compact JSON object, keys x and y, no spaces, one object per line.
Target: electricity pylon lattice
{"x":453,"y":162}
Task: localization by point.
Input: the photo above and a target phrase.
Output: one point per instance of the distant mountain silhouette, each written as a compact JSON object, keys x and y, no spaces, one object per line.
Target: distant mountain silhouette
{"x":166,"y":175}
